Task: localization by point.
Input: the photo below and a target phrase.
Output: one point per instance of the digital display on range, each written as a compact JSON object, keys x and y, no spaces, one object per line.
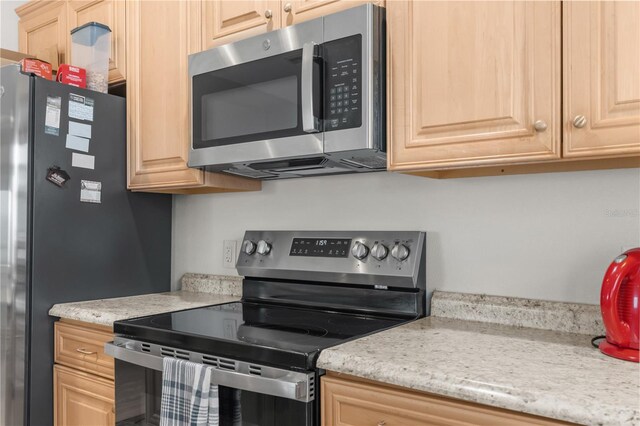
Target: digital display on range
{"x":320,"y":247}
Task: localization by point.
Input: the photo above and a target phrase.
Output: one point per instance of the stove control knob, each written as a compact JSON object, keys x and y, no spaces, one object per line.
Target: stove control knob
{"x":400,"y":252}
{"x":263,"y":247}
{"x":249,"y":247}
{"x":359,"y":250}
{"x":379,"y":251}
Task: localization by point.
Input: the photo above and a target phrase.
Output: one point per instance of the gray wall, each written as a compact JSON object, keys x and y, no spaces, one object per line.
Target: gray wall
{"x":545,"y":236}
{"x":9,"y":24}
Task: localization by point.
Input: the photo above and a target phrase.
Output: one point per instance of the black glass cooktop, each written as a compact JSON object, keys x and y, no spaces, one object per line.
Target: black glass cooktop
{"x":262,"y":333}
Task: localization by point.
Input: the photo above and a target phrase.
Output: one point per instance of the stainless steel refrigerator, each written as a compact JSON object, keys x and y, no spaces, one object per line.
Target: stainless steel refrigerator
{"x":69,"y":229}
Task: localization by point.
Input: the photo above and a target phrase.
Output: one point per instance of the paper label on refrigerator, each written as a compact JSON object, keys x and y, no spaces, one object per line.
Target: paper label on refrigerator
{"x":82,"y":160}
{"x":90,"y":191}
{"x":80,"y":107}
{"x":52,"y":116}
{"x":80,"y":129}
{"x":77,"y":143}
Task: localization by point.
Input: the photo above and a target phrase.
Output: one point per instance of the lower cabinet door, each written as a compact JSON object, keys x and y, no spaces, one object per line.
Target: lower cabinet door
{"x":82,"y":399}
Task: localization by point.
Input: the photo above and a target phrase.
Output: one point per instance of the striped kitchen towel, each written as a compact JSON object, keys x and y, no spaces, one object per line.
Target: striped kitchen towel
{"x":188,"y":396}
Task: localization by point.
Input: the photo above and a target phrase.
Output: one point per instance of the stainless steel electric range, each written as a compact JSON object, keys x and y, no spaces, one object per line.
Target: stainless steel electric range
{"x":302,"y":292}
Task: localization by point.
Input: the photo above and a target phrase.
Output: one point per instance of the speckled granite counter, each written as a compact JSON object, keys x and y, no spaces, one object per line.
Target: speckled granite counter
{"x":548,"y":373}
{"x":198,"y":290}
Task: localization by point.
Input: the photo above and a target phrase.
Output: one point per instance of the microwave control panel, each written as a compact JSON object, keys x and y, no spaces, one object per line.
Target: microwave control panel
{"x":343,"y":83}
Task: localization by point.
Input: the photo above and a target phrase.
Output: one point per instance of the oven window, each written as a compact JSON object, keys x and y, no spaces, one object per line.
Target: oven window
{"x":253,"y":101}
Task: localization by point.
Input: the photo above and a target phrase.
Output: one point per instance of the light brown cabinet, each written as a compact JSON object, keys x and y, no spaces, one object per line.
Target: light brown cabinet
{"x":110,"y":13}
{"x":83,"y":388}
{"x":226,"y":21}
{"x":355,"y":402}
{"x":473,"y":84}
{"x":601,"y":78}
{"x":82,"y":399}
{"x":43,"y":31}
{"x":160,"y":36}
{"x":296,"y":11}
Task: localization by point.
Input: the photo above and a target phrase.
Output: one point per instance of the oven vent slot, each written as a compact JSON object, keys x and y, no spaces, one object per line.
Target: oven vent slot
{"x":255,"y":370}
{"x":312,"y":388}
{"x":174,"y":353}
{"x":145,"y":347}
{"x":182,"y":355}
{"x":210,"y":360}
{"x":226,"y":364}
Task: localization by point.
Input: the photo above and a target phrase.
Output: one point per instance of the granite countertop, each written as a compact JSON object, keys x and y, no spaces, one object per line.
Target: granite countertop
{"x":197,"y":290}
{"x":548,"y":373}
{"x":107,"y":311}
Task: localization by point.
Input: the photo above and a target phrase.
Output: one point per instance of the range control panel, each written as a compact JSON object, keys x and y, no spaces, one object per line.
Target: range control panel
{"x":385,"y":258}
{"x":343,"y":83}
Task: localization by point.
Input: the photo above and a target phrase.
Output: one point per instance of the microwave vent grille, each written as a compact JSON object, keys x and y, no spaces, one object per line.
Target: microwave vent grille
{"x":374,"y":162}
{"x":250,"y":173}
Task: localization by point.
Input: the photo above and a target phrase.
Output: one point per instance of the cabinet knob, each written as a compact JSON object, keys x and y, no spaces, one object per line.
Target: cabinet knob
{"x":268,"y":13}
{"x":85,"y":352}
{"x":540,"y":126}
{"x":287,"y":7}
{"x":579,"y":121}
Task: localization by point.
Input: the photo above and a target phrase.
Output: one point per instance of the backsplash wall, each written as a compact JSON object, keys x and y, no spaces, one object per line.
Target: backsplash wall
{"x":543,"y":236}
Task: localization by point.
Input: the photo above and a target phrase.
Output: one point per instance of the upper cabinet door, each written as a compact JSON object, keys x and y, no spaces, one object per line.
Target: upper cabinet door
{"x":159,"y":42}
{"x":227,"y":21}
{"x":472,"y":83}
{"x":297,"y":11}
{"x":42,"y":30}
{"x":601,"y":78}
{"x":110,"y":13}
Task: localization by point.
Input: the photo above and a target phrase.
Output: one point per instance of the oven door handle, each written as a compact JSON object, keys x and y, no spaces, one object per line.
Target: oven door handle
{"x":310,"y":123}
{"x":290,"y":384}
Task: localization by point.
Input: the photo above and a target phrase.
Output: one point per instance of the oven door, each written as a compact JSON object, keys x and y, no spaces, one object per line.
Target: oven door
{"x":247,"y":396}
{"x":258,"y":99}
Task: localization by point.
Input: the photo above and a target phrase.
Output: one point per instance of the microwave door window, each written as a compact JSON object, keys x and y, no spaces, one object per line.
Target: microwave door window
{"x":267,"y":106}
{"x":257,"y":100}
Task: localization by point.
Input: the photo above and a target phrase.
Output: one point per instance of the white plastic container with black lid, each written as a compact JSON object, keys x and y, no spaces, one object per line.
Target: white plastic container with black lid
{"x":91,"y":49}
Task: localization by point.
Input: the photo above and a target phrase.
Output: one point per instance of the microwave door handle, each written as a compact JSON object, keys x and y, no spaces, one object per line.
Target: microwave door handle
{"x":310,"y":123}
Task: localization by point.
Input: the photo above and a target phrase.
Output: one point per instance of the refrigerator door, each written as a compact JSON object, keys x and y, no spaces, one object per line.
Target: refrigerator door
{"x":14,"y":98}
{"x":83,"y":249}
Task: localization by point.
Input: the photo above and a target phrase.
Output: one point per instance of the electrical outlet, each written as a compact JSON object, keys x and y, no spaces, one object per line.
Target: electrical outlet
{"x":229,"y":253}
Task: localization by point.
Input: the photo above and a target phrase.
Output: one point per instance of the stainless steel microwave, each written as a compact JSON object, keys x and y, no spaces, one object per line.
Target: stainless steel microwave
{"x":304,"y":100}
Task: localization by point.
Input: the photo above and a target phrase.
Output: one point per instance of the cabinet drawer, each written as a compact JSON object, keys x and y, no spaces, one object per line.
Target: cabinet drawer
{"x":82,"y":348}
{"x":350,"y":402}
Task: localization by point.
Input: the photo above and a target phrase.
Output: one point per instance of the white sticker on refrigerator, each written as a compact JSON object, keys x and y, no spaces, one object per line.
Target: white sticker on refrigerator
{"x":52,"y":116}
{"x":80,"y":107}
{"x":77,"y":143}
{"x":80,"y":129}
{"x":83,"y":160}
{"x":90,"y":191}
